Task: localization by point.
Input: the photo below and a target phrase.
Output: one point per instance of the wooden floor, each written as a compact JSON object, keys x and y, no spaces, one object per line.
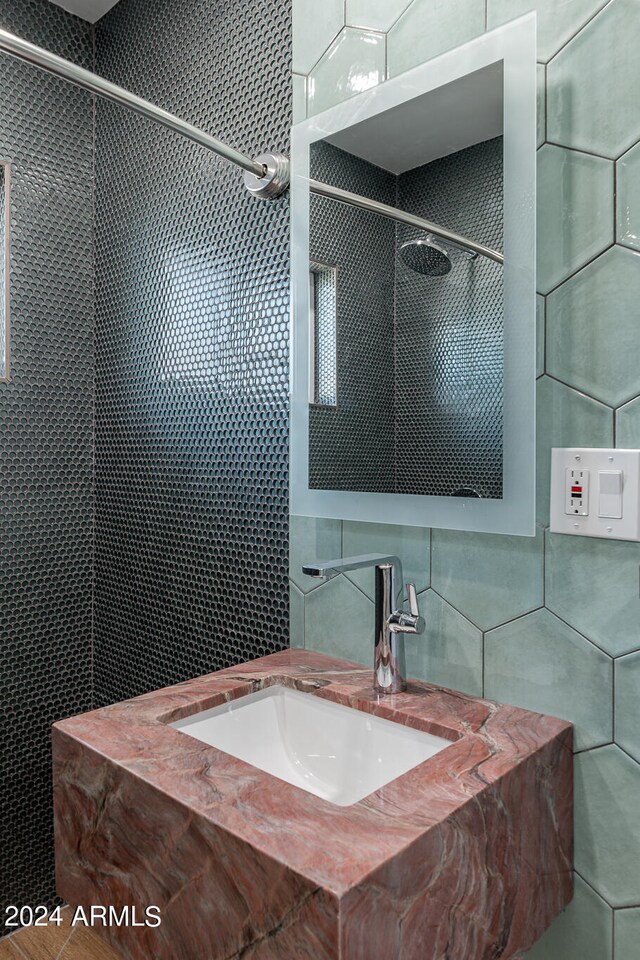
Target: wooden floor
{"x":56,"y":943}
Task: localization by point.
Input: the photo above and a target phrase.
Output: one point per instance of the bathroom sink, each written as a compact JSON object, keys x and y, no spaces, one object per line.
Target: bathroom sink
{"x":334,"y":752}
{"x":189,"y":798}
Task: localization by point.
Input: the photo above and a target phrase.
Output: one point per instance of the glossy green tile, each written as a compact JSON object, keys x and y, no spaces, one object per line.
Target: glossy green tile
{"x":627,"y":722}
{"x":375,"y":14}
{"x":565,"y":418}
{"x":489,"y":578}
{"x":628,"y":425}
{"x":311,"y":539}
{"x":540,"y":334}
{"x":428,"y":29}
{"x":607,"y":825}
{"x":315,"y":26}
{"x":593,"y":585}
{"x":539,"y":663}
{"x":541,"y":84}
{"x":592,"y":85}
{"x":296,"y":616}
{"x":581,"y":932}
{"x":353,"y":63}
{"x":449,"y":653}
{"x":339,"y":621}
{"x":628,"y":198}
{"x":557,"y":21}
{"x":626,"y":925}
{"x":411,"y":544}
{"x":592,"y":328}
{"x":575,"y":212}
{"x":299,"y":98}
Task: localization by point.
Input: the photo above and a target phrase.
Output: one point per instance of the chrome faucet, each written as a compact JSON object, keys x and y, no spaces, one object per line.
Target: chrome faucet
{"x":391,"y":624}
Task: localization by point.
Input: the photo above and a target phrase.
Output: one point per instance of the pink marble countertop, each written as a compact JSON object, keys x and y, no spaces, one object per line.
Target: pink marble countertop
{"x":338,"y":848}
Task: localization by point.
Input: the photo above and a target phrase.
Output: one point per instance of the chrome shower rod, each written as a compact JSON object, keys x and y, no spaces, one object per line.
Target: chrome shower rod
{"x":265,"y":176}
{"x":269,"y":173}
{"x":401,"y":216}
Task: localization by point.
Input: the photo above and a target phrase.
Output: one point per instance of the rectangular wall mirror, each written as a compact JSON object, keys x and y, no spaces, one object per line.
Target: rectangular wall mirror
{"x":5,"y":354}
{"x":414,"y":311}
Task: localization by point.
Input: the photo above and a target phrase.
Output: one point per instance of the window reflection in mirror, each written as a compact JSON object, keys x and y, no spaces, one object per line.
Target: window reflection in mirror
{"x":4,"y":271}
{"x":322,"y":339}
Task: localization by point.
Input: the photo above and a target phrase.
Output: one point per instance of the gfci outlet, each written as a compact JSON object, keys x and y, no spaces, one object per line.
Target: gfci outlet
{"x":595,"y":492}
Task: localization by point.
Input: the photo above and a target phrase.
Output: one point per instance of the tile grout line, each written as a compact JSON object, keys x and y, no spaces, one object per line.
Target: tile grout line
{"x":613,"y":701}
{"x":544,"y":568}
{"x":544,"y":331}
{"x":581,"y":392}
{"x":579,"y":31}
{"x":457,"y":610}
{"x":546,"y":105}
{"x":626,"y":752}
{"x":574,"y":273}
{"x":399,"y":18}
{"x":614,"y":910}
{"x":586,"y":153}
{"x":65,"y":944}
{"x":13,"y":942}
{"x":596,"y":746}
{"x":615,"y":201}
{"x":580,"y":634}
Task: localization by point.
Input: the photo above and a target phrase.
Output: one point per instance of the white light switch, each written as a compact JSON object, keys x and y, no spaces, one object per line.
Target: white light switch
{"x":610,"y":494}
{"x":596,"y":492}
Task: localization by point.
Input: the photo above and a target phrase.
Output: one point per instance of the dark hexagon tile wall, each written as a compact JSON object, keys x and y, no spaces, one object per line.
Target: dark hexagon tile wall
{"x":349,"y":443}
{"x":192,"y":367}
{"x":46,"y":438}
{"x":192,"y":372}
{"x":392,"y":372}
{"x":453,"y":376}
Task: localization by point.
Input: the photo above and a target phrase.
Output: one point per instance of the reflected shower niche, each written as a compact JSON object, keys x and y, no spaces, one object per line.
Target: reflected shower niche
{"x":414,"y":295}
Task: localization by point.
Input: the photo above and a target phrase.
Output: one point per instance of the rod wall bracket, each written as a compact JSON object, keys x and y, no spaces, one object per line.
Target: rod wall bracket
{"x":275,"y":179}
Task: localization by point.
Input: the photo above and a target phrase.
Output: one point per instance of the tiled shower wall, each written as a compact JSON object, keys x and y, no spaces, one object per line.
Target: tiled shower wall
{"x":191,"y":347}
{"x":349,"y":441}
{"x":46,"y":437}
{"x":551,"y":623}
{"x":457,"y":367}
{"x":191,"y":374}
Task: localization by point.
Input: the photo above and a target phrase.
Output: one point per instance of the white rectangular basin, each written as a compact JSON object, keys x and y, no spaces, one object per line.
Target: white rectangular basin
{"x":335,"y":752}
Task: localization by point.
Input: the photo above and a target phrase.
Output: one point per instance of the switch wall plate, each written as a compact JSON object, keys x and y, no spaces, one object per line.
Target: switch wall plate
{"x":610,"y":482}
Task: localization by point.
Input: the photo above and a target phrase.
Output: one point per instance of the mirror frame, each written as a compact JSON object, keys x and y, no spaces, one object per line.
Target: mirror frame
{"x":515,"y":45}
{"x":6,"y":253}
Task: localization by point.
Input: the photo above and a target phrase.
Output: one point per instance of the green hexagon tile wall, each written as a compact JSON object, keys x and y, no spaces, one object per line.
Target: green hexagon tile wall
{"x":545,"y":623}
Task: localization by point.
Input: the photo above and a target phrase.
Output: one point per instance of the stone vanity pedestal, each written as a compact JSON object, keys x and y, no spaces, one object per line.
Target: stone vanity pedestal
{"x":465,"y":857}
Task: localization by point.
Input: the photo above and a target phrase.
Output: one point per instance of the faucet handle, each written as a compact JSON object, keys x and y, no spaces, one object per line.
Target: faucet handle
{"x":412,"y":597}
{"x":402,"y":621}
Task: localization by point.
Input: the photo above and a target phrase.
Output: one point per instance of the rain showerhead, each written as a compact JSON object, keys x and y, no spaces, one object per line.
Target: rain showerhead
{"x":426,"y":256}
